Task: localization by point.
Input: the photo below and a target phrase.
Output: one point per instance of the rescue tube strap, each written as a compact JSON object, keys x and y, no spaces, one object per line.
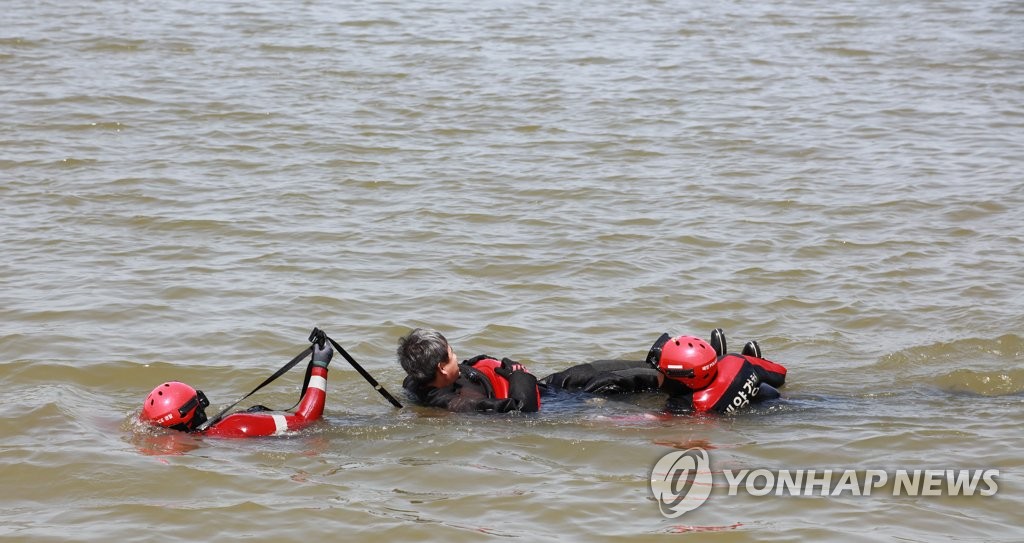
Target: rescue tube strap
{"x":369,"y":379}
{"x":317,"y":336}
{"x":216,"y":418}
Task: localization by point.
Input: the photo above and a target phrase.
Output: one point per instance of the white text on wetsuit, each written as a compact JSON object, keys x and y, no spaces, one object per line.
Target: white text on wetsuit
{"x":746,"y":392}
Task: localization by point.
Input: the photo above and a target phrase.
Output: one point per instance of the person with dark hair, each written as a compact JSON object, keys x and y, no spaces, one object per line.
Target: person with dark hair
{"x":435,"y":378}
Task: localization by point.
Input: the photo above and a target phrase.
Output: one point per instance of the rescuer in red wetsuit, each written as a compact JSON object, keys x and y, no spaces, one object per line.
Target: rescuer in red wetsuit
{"x":483,"y":383}
{"x":698,"y":376}
{"x":178,"y":406}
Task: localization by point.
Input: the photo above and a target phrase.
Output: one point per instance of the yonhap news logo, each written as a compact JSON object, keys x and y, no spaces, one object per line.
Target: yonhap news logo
{"x":682,"y":481}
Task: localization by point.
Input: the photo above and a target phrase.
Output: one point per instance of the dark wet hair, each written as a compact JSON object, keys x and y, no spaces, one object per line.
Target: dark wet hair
{"x":420,"y":352}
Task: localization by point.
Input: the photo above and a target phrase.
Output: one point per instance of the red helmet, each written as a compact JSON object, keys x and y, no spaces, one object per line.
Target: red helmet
{"x":689,"y":360}
{"x":175,"y":405}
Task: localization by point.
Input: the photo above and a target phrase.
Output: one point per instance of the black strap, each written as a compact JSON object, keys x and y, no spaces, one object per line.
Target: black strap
{"x":216,"y":418}
{"x":317,"y":336}
{"x":369,"y":379}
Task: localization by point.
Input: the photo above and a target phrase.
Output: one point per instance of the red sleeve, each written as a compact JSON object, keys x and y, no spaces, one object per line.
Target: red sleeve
{"x":270,"y":423}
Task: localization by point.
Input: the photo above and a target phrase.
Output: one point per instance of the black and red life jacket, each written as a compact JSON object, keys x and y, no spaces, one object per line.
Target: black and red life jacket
{"x":737,"y":383}
{"x":499,"y":386}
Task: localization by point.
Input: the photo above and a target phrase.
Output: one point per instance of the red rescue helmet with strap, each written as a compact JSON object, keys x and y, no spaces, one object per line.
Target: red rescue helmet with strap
{"x":176,"y":406}
{"x":687,"y":359}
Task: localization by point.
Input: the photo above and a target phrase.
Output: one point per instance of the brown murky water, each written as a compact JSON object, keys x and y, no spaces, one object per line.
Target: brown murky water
{"x":188,"y":189}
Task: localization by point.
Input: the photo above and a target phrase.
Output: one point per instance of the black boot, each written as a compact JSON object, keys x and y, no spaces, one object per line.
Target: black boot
{"x":752,"y":349}
{"x":718,"y":341}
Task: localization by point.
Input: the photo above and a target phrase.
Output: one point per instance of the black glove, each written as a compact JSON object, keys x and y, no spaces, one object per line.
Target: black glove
{"x":322,"y":354}
{"x":510,"y":365}
{"x":522,"y":385}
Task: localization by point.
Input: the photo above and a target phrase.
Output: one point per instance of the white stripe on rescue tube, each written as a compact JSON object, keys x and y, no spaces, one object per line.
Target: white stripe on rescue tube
{"x":318,"y":382}
{"x":280,"y":424}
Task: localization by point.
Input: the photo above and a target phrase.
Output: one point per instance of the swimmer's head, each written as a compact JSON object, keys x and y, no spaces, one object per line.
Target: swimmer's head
{"x":687,"y":359}
{"x":176,"y":406}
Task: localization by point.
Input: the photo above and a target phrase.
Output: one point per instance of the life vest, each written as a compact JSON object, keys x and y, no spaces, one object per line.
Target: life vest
{"x":737,"y":383}
{"x":499,"y":384}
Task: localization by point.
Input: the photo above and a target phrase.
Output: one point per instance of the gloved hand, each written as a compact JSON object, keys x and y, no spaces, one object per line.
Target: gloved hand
{"x":508,"y":365}
{"x":522,"y":385}
{"x":322,"y":354}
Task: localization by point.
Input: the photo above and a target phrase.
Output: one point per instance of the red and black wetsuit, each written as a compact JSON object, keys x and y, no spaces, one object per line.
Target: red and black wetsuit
{"x":271,"y":423}
{"x":740,"y":380}
{"x":481,"y":388}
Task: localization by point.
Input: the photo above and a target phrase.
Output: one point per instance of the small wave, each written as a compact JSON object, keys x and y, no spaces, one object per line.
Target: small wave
{"x":987,"y":367}
{"x":115,"y":45}
{"x":984,"y":383}
{"x":959,"y":353}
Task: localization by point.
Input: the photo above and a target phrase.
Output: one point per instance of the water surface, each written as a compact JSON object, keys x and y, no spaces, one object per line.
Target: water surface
{"x":188,"y":189}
